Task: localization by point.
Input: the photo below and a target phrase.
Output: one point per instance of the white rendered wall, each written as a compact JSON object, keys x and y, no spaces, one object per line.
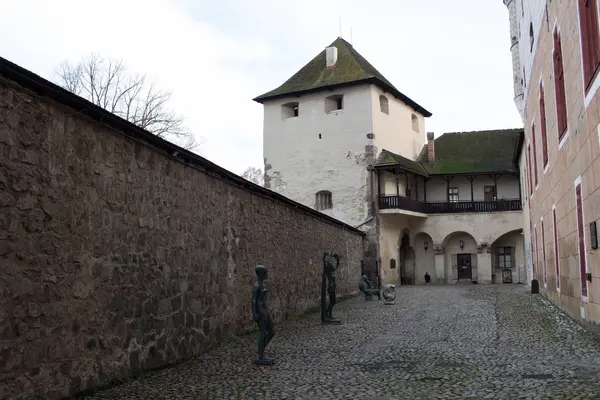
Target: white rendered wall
{"x":300,"y":164}
{"x":531,"y":11}
{"x":394,"y":131}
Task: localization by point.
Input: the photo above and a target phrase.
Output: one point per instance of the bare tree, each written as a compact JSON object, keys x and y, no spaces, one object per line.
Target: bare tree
{"x":255,"y":175}
{"x":106,"y":83}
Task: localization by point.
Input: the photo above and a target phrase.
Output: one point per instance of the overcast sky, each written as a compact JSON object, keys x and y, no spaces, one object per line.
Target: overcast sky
{"x":452,"y":57}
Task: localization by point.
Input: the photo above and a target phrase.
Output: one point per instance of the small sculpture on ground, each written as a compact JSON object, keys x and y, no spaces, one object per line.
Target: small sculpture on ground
{"x":427,"y":277}
{"x":389,"y":294}
{"x":261,"y":315}
{"x":328,"y":286}
{"x":367,"y":288}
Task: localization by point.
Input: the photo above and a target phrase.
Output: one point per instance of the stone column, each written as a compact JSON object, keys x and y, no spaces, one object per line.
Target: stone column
{"x":484,"y":264}
{"x":438,"y":250}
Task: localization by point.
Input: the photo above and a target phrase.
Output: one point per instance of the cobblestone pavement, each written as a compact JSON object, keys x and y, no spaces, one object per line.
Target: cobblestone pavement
{"x":436,"y":342}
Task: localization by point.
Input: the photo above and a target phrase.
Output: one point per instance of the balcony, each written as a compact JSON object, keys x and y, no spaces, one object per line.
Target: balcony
{"x":405,"y":203}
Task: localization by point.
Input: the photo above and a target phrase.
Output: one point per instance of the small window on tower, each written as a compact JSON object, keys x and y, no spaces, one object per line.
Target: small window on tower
{"x":334,"y":103}
{"x":289,"y":110}
{"x":415,"y":123}
{"x":383,"y":104}
{"x":323,"y":200}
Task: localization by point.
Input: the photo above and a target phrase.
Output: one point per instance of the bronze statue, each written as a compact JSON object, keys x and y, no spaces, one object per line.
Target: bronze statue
{"x":261,"y":315}
{"x":328,"y":285}
{"x":367,"y":288}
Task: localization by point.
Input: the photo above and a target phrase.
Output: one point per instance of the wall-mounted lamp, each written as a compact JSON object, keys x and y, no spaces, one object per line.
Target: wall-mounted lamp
{"x":425,"y":245}
{"x":461,"y":244}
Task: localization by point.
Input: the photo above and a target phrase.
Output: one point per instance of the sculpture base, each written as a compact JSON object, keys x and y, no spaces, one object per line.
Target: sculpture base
{"x":264,"y":361}
{"x":331,"y":321}
{"x":389,"y":303}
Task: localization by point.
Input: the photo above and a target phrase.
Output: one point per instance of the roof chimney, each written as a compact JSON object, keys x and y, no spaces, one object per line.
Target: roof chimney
{"x":331,"y":55}
{"x":430,"y":148}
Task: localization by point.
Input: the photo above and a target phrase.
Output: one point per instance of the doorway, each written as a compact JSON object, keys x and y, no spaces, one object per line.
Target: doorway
{"x":464,"y":266}
{"x":406,"y":266}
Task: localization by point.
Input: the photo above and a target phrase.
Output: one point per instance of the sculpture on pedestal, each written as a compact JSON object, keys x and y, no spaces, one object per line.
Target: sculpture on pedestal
{"x":261,"y":315}
{"x":367,"y":288}
{"x":328,"y":288}
{"x":389,"y":294}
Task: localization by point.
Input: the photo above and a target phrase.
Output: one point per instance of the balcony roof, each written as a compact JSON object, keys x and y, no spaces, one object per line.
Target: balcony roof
{"x":479,"y":152}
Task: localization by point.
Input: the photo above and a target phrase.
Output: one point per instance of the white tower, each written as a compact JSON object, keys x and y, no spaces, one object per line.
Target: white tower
{"x":327,"y":124}
{"x":514,"y":49}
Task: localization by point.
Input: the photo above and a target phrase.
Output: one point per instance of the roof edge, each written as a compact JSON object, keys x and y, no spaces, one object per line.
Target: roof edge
{"x":378,"y":82}
{"x":45,"y":88}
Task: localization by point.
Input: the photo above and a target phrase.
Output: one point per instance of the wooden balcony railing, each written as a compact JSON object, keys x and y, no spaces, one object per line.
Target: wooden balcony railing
{"x":405,"y":203}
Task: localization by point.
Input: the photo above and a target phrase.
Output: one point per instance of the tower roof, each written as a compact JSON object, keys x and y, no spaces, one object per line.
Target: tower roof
{"x":350,"y":68}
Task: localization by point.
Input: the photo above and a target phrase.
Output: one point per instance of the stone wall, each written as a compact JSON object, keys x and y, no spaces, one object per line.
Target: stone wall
{"x":118,"y":257}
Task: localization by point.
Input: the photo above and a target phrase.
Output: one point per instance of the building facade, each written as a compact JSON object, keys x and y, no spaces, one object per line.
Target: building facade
{"x":339,"y":137}
{"x":556,"y":59}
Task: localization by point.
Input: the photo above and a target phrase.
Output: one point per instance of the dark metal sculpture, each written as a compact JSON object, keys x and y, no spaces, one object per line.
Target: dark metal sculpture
{"x":367,"y":288}
{"x":261,"y":315}
{"x":328,"y":288}
{"x":389,"y":294}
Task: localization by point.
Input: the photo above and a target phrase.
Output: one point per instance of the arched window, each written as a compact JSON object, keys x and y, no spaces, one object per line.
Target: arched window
{"x":415,"y":123}
{"x":531,"y":36}
{"x":383,"y":104}
{"x":323,"y":200}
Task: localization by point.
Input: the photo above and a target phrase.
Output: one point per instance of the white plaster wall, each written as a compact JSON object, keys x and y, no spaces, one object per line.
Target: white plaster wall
{"x":301,"y":164}
{"x":528,"y":259}
{"x":531,"y":11}
{"x":483,"y":227}
{"x":394,"y":131}
{"x":508,"y":188}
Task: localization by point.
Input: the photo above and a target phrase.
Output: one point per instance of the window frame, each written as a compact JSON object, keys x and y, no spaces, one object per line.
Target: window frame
{"x":451,"y":194}
{"x":384,"y":100}
{"x":323,"y":200}
{"x":560,"y":96}
{"x":334,"y":103}
{"x":543,"y":131}
{"x":590,"y":71}
{"x":529,"y":168}
{"x":581,"y":243}
{"x":544,"y":269}
{"x":535,"y":164}
{"x":415,"y":120}
{"x":556,"y":256}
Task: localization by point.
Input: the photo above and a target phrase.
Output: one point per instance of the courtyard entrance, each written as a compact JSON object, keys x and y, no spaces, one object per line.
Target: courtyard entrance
{"x":436,"y":342}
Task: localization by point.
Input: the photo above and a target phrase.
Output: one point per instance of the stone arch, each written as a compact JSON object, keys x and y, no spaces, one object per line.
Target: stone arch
{"x":424,"y":257}
{"x":508,"y":253}
{"x":406,"y":259}
{"x":460,"y":260}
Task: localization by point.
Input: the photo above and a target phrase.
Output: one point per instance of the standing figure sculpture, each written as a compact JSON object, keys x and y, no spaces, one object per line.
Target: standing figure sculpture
{"x":389,"y":294}
{"x":261,"y":315}
{"x":328,"y":285}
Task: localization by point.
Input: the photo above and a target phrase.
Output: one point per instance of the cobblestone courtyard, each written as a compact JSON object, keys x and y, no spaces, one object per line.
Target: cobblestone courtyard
{"x":437,"y":342}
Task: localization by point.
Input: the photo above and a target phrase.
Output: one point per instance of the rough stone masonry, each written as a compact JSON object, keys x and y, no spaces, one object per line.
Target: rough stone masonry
{"x":117,"y":257}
